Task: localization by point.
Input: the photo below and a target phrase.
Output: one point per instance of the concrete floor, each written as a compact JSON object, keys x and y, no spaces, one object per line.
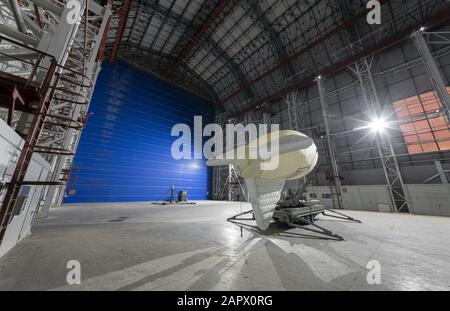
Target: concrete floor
{"x":139,"y":246}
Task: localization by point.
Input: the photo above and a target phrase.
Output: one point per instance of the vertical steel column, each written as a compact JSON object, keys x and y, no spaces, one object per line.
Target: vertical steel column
{"x":292,"y":113}
{"x":221,"y":173}
{"x":226,"y":181}
{"x":230,"y":182}
{"x":441,"y":171}
{"x":335,"y":171}
{"x":124,"y":13}
{"x":235,"y":186}
{"x":267,"y":119}
{"x":295,"y":112}
{"x":434,"y":73}
{"x":17,"y":16}
{"x":296,"y":118}
{"x":397,"y":191}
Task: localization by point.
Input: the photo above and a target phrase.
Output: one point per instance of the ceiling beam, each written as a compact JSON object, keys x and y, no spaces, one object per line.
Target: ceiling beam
{"x":124,"y":13}
{"x":175,"y":20}
{"x":441,"y":17}
{"x":192,"y":84}
{"x":203,"y":29}
{"x":17,"y":13}
{"x":287,"y":60}
{"x":273,"y":36}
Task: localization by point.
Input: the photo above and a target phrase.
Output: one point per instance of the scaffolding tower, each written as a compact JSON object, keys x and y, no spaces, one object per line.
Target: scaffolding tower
{"x":49,"y":63}
{"x":398,"y":193}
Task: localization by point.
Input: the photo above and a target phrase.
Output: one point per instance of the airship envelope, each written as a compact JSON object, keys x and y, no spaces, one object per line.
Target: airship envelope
{"x":297,"y":157}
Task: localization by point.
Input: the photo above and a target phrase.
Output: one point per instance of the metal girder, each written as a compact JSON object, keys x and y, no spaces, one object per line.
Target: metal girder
{"x":436,"y":19}
{"x":398,"y":193}
{"x":142,"y":59}
{"x":191,"y":26}
{"x":296,"y":113}
{"x":124,"y":12}
{"x":204,"y":28}
{"x":253,"y":56}
{"x":273,"y":36}
{"x":141,"y":18}
{"x":436,"y":78}
{"x":441,"y":173}
{"x":12,"y":33}
{"x":221,"y":173}
{"x":287,"y":60}
{"x":47,"y":5}
{"x":209,"y":44}
{"x":227,"y":185}
{"x":161,"y":25}
{"x":17,"y":16}
{"x":337,"y":197}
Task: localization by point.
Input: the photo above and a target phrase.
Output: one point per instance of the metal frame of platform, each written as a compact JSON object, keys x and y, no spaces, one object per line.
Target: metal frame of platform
{"x":300,"y":217}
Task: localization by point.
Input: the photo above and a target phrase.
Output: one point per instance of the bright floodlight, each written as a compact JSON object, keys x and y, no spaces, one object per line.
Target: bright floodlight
{"x":378,"y":125}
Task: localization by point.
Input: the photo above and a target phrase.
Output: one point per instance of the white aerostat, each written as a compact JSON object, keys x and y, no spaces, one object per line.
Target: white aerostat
{"x":298,"y":156}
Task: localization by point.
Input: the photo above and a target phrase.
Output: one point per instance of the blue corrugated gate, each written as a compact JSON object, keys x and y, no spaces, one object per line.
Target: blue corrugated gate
{"x":125,"y":150}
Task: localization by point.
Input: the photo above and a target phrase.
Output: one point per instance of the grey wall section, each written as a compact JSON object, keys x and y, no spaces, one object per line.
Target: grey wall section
{"x":433,"y":200}
{"x":430,"y":199}
{"x":374,"y":198}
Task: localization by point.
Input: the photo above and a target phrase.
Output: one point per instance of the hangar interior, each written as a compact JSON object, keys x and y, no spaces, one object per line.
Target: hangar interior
{"x":91,"y":89}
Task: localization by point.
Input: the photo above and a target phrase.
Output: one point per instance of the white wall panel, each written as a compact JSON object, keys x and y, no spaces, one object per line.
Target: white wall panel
{"x":10,"y":146}
{"x":430,"y":199}
{"x":427,"y":199}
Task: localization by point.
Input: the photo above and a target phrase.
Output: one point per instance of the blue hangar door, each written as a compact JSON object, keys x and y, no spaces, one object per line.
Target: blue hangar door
{"x":125,"y":150}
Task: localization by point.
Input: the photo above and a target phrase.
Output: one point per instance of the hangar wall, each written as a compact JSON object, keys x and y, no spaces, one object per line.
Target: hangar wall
{"x":125,"y":150}
{"x":426,"y":199}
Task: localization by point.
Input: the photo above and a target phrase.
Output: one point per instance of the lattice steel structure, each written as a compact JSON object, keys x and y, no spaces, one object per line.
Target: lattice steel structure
{"x":50,"y":57}
{"x":241,"y":54}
